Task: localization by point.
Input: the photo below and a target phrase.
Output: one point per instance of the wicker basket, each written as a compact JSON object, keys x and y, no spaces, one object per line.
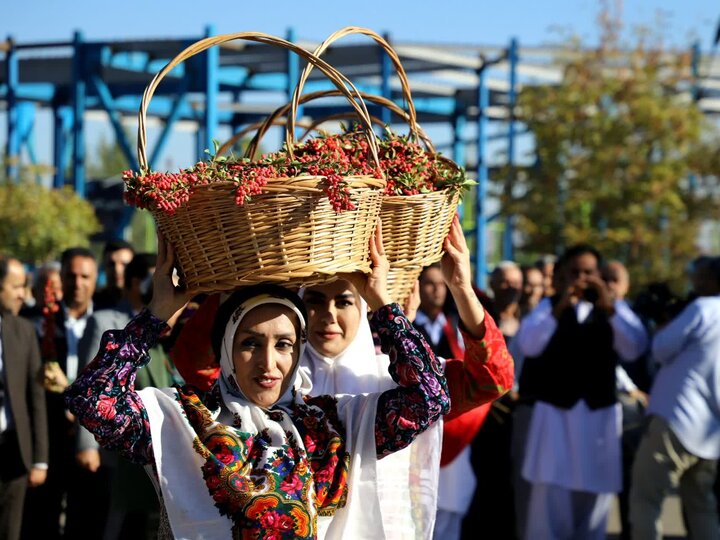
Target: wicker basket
{"x":290,"y":233}
{"x":414,"y":230}
{"x":414,"y":226}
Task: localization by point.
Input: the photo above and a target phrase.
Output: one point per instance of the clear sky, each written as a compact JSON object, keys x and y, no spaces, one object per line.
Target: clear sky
{"x":533,"y":22}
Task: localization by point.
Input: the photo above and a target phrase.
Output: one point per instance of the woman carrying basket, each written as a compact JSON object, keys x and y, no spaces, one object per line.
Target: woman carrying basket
{"x":256,"y":458}
{"x":340,"y":359}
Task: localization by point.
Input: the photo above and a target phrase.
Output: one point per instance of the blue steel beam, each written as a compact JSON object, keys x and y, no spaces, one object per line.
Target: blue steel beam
{"x":483,"y":100}
{"x":62,"y":121}
{"x":12,"y":143}
{"x":172,"y":117}
{"x":458,"y":148}
{"x":212,"y":67}
{"x":106,"y":99}
{"x":78,"y":105}
{"x":508,"y":251}
{"x":25,"y":123}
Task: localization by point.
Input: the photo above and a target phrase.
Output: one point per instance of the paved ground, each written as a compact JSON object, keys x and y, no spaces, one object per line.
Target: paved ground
{"x":673,"y":528}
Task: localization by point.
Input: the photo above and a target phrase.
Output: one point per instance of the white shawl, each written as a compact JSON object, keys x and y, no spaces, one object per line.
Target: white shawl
{"x":190,"y":508}
{"x":403,"y":497}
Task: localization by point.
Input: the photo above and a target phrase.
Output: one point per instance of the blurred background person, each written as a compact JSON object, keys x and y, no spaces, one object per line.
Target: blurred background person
{"x":681,"y":444}
{"x":66,"y":486}
{"x":533,"y":289}
{"x":571,"y":344}
{"x":633,"y":381}
{"x":704,"y":280}
{"x":45,"y":276}
{"x":546,"y":265}
{"x":23,"y":420}
{"x":116,"y":255}
{"x":492,"y":506}
{"x":506,"y":284}
{"x":433,"y":320}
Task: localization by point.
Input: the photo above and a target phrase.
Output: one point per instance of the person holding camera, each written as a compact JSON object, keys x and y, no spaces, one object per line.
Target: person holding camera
{"x":572,"y":343}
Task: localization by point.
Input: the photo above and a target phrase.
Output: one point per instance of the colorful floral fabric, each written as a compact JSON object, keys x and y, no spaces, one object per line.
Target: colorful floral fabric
{"x":485,"y":374}
{"x":278,"y":500}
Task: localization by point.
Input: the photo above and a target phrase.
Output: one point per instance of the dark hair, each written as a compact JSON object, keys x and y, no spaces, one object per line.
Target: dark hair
{"x":116,"y":244}
{"x":139,"y":267}
{"x":70,"y":253}
{"x":227,"y":308}
{"x":428,"y":267}
{"x":5,"y":264}
{"x":576,"y":251}
{"x":715,"y":268}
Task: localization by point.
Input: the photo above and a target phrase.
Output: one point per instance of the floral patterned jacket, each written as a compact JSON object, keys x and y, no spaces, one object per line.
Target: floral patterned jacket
{"x":104,"y":399}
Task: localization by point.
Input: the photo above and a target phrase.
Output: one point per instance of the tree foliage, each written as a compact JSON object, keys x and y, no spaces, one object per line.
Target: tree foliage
{"x":625,"y":161}
{"x":107,"y":160}
{"x":38,"y":223}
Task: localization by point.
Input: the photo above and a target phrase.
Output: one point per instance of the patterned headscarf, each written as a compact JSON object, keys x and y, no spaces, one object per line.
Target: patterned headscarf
{"x":228,"y":319}
{"x":271,"y":470}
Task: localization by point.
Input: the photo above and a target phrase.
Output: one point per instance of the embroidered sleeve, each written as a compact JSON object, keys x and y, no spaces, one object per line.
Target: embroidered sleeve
{"x":484,"y":375}
{"x":422,"y":395}
{"x":103,"y":396}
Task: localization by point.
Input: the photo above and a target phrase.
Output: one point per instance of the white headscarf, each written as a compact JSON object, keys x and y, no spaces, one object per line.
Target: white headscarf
{"x":404,"y":490}
{"x":356,"y":370}
{"x":232,"y":395}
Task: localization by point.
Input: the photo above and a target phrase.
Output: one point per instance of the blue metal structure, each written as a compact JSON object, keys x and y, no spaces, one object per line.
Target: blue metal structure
{"x":465,"y":88}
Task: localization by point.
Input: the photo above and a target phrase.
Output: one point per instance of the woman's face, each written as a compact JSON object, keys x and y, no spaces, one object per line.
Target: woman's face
{"x":265,"y":350}
{"x":334,"y":312}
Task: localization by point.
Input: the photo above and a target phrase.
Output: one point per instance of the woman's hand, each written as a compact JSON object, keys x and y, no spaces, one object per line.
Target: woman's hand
{"x":457,"y":273}
{"x":412,"y":302}
{"x":456,"y":268}
{"x":168,"y":299}
{"x":373,"y":286}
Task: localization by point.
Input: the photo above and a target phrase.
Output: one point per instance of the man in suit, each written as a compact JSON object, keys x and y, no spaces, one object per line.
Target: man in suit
{"x":66,"y":480}
{"x":23,"y":424}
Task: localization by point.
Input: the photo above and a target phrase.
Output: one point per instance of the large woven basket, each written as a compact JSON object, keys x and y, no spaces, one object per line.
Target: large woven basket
{"x":414,"y":226}
{"x":290,"y":233}
{"x":414,"y":230}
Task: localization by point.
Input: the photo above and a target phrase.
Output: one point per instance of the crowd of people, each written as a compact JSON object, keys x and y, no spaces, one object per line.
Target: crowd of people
{"x":520,"y":411}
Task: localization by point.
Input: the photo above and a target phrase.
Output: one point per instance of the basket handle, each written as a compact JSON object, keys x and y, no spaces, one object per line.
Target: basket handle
{"x":350,"y":30}
{"x":273,"y":119}
{"x":250,"y":128}
{"x":343,"y":84}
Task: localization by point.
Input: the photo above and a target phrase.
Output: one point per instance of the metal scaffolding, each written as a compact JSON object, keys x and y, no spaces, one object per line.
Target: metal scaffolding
{"x":465,"y":87}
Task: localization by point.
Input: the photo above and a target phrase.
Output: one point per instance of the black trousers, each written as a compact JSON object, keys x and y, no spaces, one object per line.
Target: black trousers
{"x":13,"y":484}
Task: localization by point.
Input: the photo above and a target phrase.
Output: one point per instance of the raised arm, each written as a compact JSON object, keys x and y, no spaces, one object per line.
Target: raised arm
{"x":103,"y":397}
{"x":421,"y":396}
{"x":487,"y":371}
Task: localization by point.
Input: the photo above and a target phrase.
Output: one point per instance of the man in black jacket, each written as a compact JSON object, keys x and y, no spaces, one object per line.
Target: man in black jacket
{"x":23,"y":422}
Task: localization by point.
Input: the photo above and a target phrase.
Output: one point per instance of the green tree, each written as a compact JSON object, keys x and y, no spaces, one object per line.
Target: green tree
{"x":38,"y":223}
{"x":625,"y":161}
{"x":107,"y":159}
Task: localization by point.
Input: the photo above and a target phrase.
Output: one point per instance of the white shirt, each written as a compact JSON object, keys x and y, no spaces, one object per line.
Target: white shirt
{"x":630,"y":338}
{"x":686,"y":391}
{"x":74,"y":329}
{"x":577,"y":448}
{"x":434,"y":328}
{"x":6,"y":418}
